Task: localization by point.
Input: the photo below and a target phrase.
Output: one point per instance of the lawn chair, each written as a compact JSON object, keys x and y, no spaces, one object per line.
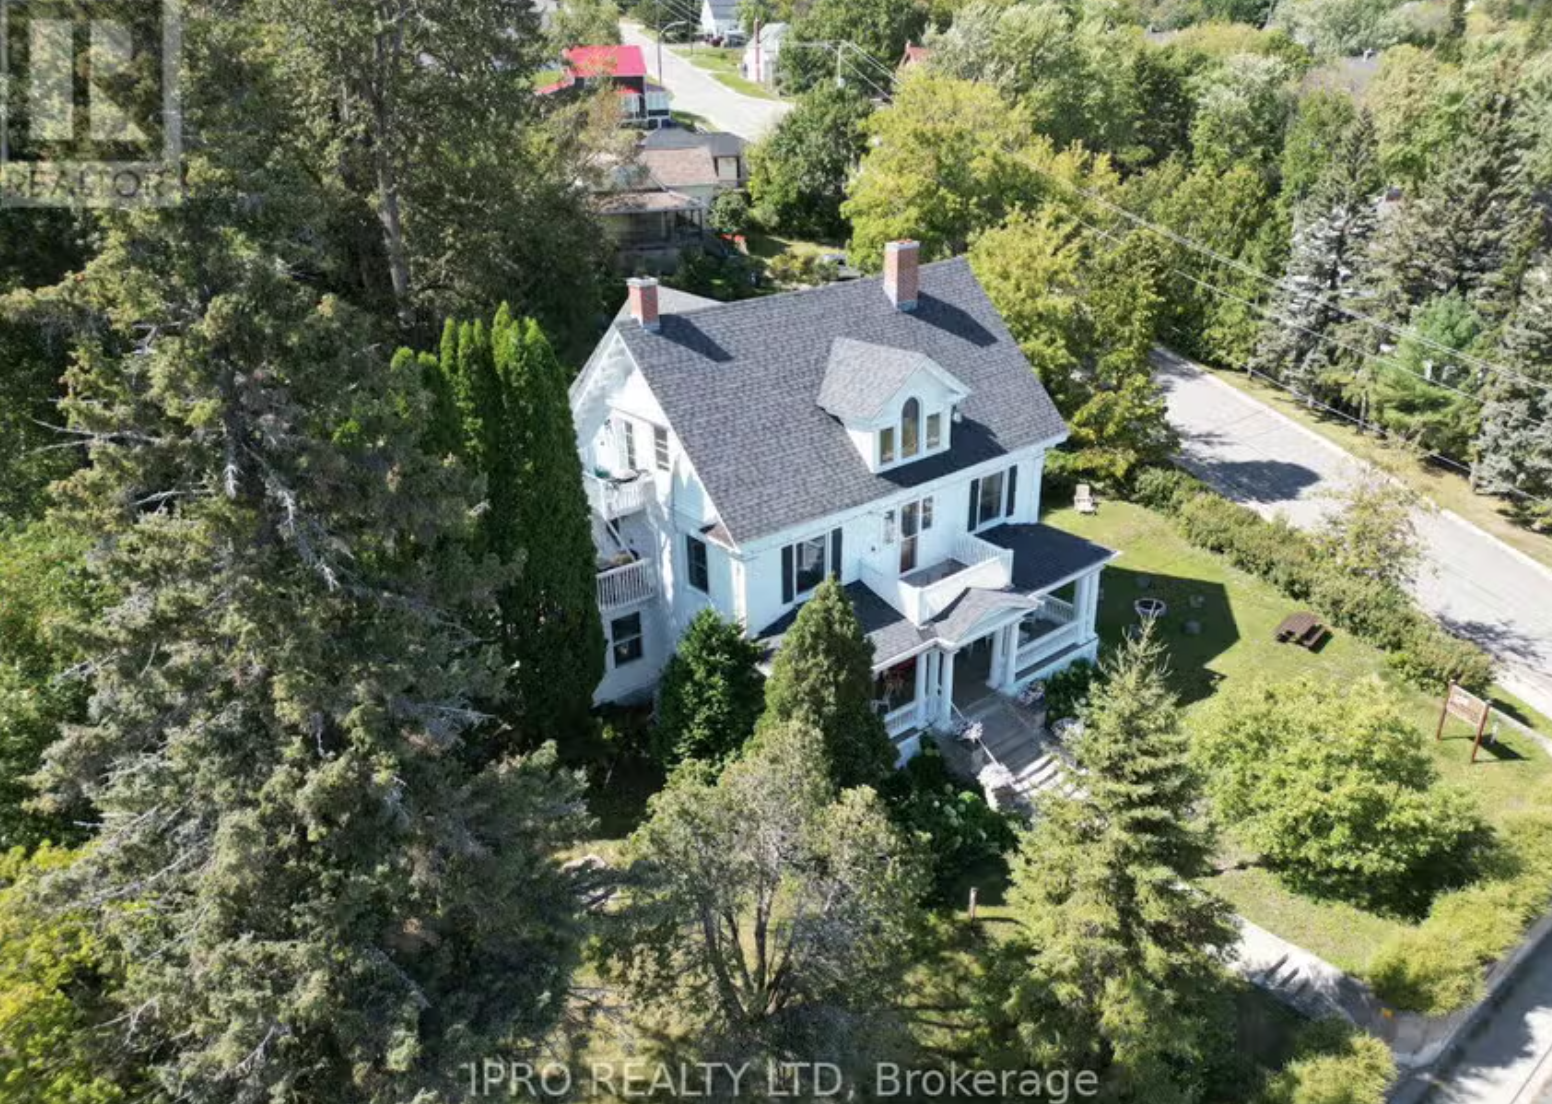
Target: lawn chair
{"x":1084,"y":500}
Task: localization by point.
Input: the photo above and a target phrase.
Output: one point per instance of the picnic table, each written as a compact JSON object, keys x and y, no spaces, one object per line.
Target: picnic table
{"x":1304,"y":629}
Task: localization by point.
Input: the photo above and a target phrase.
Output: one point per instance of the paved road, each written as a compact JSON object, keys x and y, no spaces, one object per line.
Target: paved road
{"x":696,"y":91}
{"x":1506,"y":1061}
{"x":1478,"y":586}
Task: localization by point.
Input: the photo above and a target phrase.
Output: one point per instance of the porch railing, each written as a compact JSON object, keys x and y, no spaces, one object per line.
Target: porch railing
{"x":901,"y":721}
{"x":612,"y":499}
{"x":984,"y":566}
{"x":626,"y":586}
{"x":1054,"y":609}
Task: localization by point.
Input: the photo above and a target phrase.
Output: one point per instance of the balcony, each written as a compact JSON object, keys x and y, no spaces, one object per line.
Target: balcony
{"x":924,"y":594}
{"x":628,"y":585}
{"x":614,"y":497}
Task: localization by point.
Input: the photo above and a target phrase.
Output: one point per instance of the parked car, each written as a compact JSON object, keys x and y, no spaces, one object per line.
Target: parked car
{"x":843,"y":267}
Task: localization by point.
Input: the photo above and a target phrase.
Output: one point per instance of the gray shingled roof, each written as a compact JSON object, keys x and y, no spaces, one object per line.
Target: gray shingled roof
{"x":740,"y":384}
{"x":1042,"y":558}
{"x":861,"y":377}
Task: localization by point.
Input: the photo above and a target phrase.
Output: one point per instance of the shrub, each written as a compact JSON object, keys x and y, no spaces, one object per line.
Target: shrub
{"x":1068,"y":689}
{"x":1333,"y":1063}
{"x":799,"y":268}
{"x":1376,"y":610}
{"x":730,"y":213}
{"x":711,"y":693}
{"x":949,"y":818}
{"x":1440,"y":965}
{"x":1165,"y":489}
{"x":1331,"y":786}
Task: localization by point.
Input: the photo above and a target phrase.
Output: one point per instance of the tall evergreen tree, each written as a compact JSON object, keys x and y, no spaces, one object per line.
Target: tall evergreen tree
{"x":1471,"y":227}
{"x":324,"y":883}
{"x":509,"y":394}
{"x":1332,"y":231}
{"x":1116,"y":965}
{"x":711,"y":694}
{"x":1514,"y":447}
{"x":823,"y":677}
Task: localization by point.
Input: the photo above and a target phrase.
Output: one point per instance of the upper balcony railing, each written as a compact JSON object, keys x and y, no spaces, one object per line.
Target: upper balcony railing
{"x":627,"y":585}
{"x":617,"y":498}
{"x":975,"y":563}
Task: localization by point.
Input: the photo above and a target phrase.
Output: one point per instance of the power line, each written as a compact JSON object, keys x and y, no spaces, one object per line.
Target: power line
{"x":1240,"y":266}
{"x":1311,"y":400}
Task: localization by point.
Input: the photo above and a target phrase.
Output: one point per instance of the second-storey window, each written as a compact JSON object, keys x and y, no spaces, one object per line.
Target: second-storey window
{"x":934,"y":431}
{"x":628,"y":436}
{"x":696,"y":569}
{"x":805,"y":564}
{"x":910,"y":429}
{"x":886,"y":446}
{"x":992,"y":497}
{"x":660,"y":447}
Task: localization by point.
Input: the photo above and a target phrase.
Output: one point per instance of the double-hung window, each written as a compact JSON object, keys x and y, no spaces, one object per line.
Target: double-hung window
{"x":992,"y":498}
{"x":628,"y":438}
{"x":696,"y":569}
{"x":805,"y":564}
{"x":660,"y":447}
{"x":625,"y":639}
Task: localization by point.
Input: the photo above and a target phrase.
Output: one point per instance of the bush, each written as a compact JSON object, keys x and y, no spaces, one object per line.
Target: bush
{"x":1067,"y":691}
{"x":1440,"y":965}
{"x":1334,"y":1063}
{"x":730,"y":213}
{"x":800,"y":268}
{"x":711,"y":694}
{"x":1380,"y":612}
{"x":1330,"y":784}
{"x":947,"y":817}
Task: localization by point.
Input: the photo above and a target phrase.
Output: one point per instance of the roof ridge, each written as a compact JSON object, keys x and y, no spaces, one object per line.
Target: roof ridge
{"x":842,"y":285}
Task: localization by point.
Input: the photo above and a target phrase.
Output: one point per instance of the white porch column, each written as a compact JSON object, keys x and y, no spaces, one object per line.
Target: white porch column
{"x":1085,"y":604}
{"x":946,"y":706}
{"x":922,"y":715}
{"x":995,"y":672}
{"x":1010,"y":654}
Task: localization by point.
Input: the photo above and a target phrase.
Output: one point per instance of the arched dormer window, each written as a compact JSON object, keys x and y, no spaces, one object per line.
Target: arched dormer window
{"x":910,"y":429}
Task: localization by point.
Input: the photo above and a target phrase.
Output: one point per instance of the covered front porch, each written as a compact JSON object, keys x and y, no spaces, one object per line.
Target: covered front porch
{"x":1020,"y":639}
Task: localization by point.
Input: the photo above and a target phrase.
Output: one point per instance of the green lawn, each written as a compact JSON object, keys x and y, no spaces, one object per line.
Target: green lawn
{"x":723,"y":63}
{"x":1238,"y":615}
{"x":1448,"y":488}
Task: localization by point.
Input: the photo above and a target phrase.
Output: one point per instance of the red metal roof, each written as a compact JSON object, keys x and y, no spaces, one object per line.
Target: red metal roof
{"x":602,"y":61}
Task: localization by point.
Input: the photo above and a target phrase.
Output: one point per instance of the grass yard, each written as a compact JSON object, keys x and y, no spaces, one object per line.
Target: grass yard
{"x":1238,"y":615}
{"x":1447,"y":488}
{"x":723,"y":63}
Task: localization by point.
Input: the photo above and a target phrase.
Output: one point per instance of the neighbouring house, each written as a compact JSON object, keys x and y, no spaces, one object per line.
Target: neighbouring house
{"x":719,"y":18}
{"x":759,"y":64}
{"x":914,"y":55}
{"x":642,"y":103}
{"x":887,"y":431}
{"x":656,"y":205}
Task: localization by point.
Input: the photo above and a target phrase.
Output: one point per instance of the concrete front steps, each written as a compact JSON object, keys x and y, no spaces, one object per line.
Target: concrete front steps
{"x":1033,"y":763}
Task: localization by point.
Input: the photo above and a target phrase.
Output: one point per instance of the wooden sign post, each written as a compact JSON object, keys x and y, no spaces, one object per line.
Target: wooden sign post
{"x":1465,"y":706}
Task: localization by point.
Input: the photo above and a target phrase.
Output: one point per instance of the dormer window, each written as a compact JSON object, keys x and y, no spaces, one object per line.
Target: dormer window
{"x":895,"y":404}
{"x":910,"y":429}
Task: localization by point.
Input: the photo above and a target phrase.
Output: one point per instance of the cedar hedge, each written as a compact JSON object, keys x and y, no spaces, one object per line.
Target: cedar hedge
{"x":1417,"y":648}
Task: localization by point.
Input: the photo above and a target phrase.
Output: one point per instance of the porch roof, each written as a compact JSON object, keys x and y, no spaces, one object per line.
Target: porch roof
{"x":1044,"y":557}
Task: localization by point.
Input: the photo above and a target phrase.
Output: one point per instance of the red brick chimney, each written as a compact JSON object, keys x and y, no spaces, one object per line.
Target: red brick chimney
{"x":901,"y":273}
{"x":643,"y":302}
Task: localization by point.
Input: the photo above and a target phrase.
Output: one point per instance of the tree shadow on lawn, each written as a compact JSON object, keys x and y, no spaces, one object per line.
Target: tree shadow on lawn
{"x":1189,"y":654}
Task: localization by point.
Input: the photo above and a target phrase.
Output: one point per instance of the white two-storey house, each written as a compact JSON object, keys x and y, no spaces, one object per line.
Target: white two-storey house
{"x":887,"y":431}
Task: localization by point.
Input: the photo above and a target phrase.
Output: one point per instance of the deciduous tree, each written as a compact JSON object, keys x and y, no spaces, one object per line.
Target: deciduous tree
{"x":773,"y":914}
{"x":1330,"y":785}
{"x":798,"y":175}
